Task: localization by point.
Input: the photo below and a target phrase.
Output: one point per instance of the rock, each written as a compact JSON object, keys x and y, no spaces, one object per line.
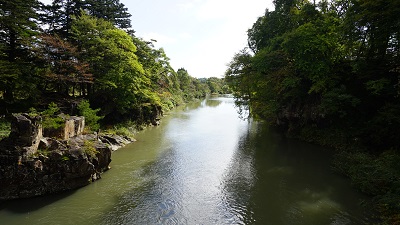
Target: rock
{"x":58,"y":166}
{"x":26,"y":132}
{"x":116,"y":141}
{"x":73,"y":126}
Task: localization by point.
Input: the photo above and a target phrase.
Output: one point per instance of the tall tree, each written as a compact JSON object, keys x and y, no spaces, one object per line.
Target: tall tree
{"x":60,"y":13}
{"x":65,"y":73}
{"x":120,"y":83}
{"x":110,"y":10}
{"x":58,"y":16}
{"x":18,"y":28}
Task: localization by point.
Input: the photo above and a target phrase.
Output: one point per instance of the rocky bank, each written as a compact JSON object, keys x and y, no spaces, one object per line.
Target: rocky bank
{"x":33,"y":165}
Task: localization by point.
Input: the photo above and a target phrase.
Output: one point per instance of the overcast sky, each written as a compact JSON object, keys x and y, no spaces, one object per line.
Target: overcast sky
{"x":199,"y":35}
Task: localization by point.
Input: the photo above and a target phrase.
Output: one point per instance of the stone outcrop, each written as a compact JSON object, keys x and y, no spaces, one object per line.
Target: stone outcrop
{"x":33,"y":165}
{"x":73,"y":126}
{"x":26,"y":132}
{"x":115,"y":141}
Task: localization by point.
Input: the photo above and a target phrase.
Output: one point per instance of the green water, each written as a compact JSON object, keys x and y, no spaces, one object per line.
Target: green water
{"x":204,"y":165}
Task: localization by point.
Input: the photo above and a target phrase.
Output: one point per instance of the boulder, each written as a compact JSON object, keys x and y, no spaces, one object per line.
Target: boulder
{"x":26,"y":132}
{"x":116,"y":141}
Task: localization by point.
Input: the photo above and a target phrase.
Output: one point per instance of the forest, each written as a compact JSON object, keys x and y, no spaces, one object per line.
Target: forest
{"x":74,"y":50}
{"x":328,"y":72}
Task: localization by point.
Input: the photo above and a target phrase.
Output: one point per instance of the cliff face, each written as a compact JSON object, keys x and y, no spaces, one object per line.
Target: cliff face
{"x":33,"y":165}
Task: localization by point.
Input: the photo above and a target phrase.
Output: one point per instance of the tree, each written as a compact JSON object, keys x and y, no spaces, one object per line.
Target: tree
{"x":330,"y":65}
{"x":18,"y":28}
{"x":120,"y":83}
{"x":110,"y":10}
{"x":63,"y":67}
{"x":60,"y":13}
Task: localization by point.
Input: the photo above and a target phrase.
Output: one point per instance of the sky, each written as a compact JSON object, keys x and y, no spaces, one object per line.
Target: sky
{"x":201,"y":36}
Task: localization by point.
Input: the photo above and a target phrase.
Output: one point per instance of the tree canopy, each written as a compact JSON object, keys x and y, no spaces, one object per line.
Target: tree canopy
{"x":73,"y":50}
{"x":331,"y":64}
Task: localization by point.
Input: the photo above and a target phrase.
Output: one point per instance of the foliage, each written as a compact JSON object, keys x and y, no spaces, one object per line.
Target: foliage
{"x":59,"y":14}
{"x":119,"y":78}
{"x":89,"y":148}
{"x":17,"y":36}
{"x":127,"y":129}
{"x":87,"y":48}
{"x":91,"y":117}
{"x":50,"y":118}
{"x":62,"y":70}
{"x":328,"y":73}
{"x":5,"y":128}
{"x":43,"y":152}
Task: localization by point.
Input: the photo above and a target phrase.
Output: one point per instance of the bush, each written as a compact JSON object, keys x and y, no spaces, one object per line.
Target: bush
{"x":50,"y":118}
{"x":91,"y":117}
{"x":89,"y":148}
{"x":5,"y":128}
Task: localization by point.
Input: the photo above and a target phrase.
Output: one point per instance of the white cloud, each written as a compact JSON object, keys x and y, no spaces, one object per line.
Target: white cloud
{"x":160,"y":38}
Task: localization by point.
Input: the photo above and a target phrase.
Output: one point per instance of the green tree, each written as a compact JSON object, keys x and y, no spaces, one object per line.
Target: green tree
{"x":110,"y":10}
{"x":18,"y":28}
{"x":120,"y":83}
{"x":91,"y":117}
{"x":59,"y":14}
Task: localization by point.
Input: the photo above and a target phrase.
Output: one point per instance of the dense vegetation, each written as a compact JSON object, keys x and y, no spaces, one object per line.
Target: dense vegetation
{"x":74,"y":50}
{"x":329,"y":72}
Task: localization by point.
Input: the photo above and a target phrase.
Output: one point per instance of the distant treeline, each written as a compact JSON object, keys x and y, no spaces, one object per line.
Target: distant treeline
{"x":87,"y":49}
{"x":329,"y":72}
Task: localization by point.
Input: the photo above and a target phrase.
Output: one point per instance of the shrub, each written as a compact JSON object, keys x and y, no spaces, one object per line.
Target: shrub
{"x":50,"y":118}
{"x":91,"y":117}
{"x":5,"y":128}
{"x":89,"y":148}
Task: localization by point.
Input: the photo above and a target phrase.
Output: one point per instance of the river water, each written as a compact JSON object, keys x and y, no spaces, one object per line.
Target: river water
{"x":204,"y":165}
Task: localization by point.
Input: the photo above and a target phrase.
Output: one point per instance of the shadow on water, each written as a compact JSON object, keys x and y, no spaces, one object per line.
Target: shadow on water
{"x":28,"y":205}
{"x":274,"y":180}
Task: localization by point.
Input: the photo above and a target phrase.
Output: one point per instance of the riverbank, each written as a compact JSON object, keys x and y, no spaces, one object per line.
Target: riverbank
{"x":36,"y":161}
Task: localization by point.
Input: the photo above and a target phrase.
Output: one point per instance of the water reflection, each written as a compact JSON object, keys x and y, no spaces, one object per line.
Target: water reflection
{"x":212,"y":102}
{"x":272,"y":180}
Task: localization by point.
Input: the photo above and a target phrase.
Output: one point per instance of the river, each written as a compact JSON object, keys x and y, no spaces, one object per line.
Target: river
{"x":204,"y":165}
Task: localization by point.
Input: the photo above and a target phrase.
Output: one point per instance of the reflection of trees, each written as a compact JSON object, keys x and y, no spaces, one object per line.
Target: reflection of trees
{"x":273,"y":180}
{"x":213,"y":102}
{"x":192,"y":105}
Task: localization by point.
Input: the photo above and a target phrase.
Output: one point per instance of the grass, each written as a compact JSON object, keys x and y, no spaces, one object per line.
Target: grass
{"x":5,"y":128}
{"x":127,"y":129}
{"x":89,"y":148}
